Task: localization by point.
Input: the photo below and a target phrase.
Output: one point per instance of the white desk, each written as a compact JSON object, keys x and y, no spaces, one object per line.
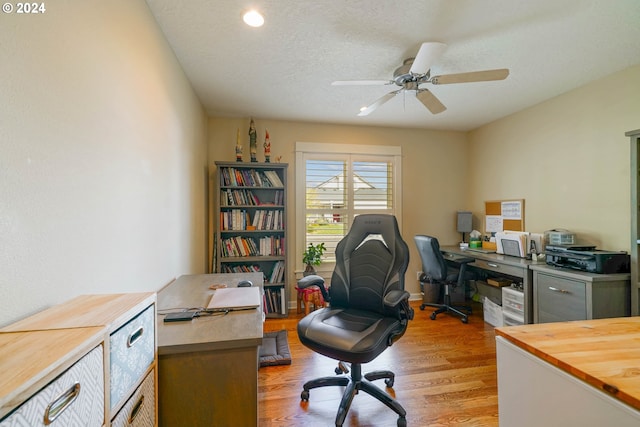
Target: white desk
{"x":582,"y":373}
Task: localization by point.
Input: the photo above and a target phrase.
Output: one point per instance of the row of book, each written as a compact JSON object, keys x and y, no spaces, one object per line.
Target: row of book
{"x":274,"y":300}
{"x":250,"y":178}
{"x":263,"y":219}
{"x":241,"y":268}
{"x":247,"y":197}
{"x":239,"y":246}
{"x":276,"y":276}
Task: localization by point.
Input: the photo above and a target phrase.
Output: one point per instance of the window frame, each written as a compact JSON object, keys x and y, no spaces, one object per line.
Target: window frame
{"x":330,"y":151}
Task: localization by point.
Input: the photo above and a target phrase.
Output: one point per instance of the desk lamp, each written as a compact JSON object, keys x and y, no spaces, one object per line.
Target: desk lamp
{"x":464,"y":223}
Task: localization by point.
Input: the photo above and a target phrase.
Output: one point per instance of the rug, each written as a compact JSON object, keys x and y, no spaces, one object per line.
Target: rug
{"x":275,"y":349}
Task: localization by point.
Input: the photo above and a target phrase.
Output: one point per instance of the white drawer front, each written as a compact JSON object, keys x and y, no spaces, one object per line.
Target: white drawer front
{"x":139,"y":411}
{"x":132,"y":351}
{"x":75,"y":398}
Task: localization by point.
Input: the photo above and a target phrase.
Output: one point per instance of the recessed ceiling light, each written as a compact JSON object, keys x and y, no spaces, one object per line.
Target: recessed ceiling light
{"x":253,"y":18}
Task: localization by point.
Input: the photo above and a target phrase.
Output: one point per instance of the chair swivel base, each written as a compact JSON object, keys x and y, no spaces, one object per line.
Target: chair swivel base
{"x":446,"y":307}
{"x":355,"y":383}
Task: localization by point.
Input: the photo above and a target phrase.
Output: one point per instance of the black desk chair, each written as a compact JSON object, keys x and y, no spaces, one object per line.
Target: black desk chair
{"x":369,"y":310}
{"x":435,"y":270}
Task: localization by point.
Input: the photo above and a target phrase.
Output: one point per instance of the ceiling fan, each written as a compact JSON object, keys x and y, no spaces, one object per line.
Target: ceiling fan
{"x":415,"y":72}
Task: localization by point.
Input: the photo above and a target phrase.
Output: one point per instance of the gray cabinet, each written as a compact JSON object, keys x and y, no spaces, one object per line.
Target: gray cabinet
{"x":560,"y":295}
{"x":635,"y":230}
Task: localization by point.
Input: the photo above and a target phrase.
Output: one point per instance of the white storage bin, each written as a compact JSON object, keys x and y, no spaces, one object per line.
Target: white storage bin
{"x":509,"y":319}
{"x":512,"y":307}
{"x":75,"y":398}
{"x":513,"y":301}
{"x":139,"y":411}
{"x":132,"y":352}
{"x":492,"y":312}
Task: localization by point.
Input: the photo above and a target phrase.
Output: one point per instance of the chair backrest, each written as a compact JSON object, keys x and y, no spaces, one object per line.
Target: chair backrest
{"x":433,"y":263}
{"x":371,"y":260}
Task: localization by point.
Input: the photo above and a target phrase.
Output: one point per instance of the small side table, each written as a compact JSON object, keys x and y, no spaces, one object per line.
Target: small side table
{"x":307,"y":297}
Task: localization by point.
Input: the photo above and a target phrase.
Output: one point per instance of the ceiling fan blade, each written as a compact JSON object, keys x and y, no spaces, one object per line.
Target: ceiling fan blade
{"x":428,"y":54}
{"x":430,"y":101}
{"x":362,"y":82}
{"x":378,"y":102}
{"x":474,"y":76}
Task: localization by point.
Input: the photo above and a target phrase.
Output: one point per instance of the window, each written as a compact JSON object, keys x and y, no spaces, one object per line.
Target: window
{"x":334,"y":183}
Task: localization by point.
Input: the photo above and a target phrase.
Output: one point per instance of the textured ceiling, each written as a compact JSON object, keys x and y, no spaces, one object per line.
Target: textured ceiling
{"x":284,"y":70}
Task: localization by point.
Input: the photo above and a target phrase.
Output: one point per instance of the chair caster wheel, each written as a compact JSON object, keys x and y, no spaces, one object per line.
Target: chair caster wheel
{"x":433,"y":316}
{"x":465,"y":320}
{"x":402,"y":422}
{"x":304,"y":395}
{"x":389,"y":382}
{"x":422,"y":306}
{"x":341,"y":369}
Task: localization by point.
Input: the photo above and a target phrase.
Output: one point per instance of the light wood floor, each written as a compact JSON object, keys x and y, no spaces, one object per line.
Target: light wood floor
{"x":445,"y":376}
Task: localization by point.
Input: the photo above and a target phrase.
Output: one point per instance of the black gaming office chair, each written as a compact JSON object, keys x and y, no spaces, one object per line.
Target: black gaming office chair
{"x":369,"y":309}
{"x":435,"y":270}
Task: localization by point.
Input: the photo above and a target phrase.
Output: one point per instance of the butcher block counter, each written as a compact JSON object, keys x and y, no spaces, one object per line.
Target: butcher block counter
{"x":584,"y":373}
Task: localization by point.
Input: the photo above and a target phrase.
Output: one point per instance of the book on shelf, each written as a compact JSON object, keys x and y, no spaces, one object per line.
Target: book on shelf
{"x":274,"y":300}
{"x":243,"y":177}
{"x":274,"y":178}
{"x":277,"y":274}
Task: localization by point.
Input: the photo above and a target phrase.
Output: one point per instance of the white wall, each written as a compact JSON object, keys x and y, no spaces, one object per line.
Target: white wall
{"x":568,"y":158}
{"x":103,"y":156}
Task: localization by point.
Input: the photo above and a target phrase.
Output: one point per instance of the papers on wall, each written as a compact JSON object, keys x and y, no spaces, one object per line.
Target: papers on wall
{"x":493,"y":223}
{"x":511,"y":209}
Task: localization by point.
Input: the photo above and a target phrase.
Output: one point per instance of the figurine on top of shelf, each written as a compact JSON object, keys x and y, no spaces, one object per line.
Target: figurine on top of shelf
{"x":267,"y":148}
{"x":253,"y":145}
{"x":238,"y":148}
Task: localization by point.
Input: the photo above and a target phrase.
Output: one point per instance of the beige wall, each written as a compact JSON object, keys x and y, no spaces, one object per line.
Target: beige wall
{"x":434,"y":181}
{"x":568,"y":158}
{"x":103,"y":164}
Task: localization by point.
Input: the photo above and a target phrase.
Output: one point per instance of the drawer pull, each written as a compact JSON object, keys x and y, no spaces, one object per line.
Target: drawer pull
{"x":562,"y":291}
{"x":136,"y":409}
{"x":135,"y":336}
{"x":61,"y":403}
{"x":490,"y":264}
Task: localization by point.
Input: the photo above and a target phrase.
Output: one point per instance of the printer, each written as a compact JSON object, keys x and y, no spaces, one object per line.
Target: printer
{"x":587,"y":258}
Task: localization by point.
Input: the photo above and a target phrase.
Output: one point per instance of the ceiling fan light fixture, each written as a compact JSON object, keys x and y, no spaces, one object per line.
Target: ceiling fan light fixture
{"x":253,"y":18}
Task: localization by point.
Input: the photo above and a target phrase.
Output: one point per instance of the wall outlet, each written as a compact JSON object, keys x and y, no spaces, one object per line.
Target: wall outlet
{"x":418,"y":274}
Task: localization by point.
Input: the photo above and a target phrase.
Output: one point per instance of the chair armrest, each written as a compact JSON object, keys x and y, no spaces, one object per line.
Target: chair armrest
{"x":399,"y":300}
{"x":395,"y":297}
{"x":310,"y":280}
{"x":463,"y":260}
{"x":314,"y":280}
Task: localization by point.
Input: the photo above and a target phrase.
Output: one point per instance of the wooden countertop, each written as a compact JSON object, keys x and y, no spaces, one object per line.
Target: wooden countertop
{"x":111,"y":310}
{"x":604,"y":352}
